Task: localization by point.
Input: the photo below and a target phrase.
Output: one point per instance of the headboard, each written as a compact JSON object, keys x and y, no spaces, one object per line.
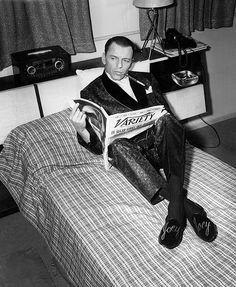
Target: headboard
{"x":23,"y":104}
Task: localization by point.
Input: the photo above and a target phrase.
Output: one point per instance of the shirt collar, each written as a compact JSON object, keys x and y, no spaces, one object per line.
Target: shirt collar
{"x":123,"y":81}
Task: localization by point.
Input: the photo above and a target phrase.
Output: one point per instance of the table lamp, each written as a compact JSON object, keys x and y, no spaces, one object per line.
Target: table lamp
{"x":152,"y":6}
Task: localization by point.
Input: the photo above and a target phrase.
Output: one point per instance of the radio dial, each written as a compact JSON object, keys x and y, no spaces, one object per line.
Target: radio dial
{"x":59,"y":64}
{"x":31,"y":70}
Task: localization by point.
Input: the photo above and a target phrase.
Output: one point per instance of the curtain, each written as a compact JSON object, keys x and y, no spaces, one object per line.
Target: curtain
{"x":190,"y":15}
{"x":29,"y":24}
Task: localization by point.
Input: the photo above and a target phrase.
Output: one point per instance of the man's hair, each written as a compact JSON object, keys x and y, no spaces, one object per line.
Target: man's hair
{"x":121,"y":41}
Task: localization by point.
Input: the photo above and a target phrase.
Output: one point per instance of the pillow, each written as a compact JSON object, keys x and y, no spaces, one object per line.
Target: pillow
{"x":88,"y":75}
{"x":141,"y":66}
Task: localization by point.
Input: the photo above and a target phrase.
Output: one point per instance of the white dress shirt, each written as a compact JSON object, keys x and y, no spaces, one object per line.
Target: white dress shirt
{"x":125,"y":85}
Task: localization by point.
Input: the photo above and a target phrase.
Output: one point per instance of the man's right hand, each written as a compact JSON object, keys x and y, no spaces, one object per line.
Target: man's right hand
{"x":78,"y":119}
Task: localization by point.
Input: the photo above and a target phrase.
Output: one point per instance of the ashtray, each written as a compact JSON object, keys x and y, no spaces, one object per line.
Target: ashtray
{"x":185,"y":78}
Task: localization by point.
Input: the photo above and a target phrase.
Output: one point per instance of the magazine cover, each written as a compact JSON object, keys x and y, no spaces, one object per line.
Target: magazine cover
{"x":127,"y":125}
{"x":175,"y":52}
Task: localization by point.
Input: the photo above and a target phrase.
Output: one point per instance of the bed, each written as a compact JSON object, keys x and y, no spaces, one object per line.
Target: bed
{"x":99,"y":228}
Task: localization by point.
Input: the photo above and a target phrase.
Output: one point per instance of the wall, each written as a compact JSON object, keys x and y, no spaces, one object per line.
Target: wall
{"x":109,"y":18}
{"x":113,"y":17}
{"x":221,"y":64}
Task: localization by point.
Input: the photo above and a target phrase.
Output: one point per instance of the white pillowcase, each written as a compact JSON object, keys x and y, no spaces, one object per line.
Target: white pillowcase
{"x":88,"y":75}
{"x":141,"y":66}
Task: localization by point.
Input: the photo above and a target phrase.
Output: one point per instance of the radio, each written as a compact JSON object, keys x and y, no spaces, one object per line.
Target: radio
{"x":40,"y":64}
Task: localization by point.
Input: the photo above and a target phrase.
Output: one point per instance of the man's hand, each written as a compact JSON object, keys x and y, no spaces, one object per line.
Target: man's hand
{"x":78,"y":119}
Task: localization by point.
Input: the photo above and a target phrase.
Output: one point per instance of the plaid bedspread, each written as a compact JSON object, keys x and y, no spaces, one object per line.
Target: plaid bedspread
{"x":99,"y":228}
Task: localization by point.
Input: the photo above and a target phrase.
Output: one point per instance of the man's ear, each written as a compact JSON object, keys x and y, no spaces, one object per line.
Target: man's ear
{"x":103,"y":59}
{"x":131,"y":65}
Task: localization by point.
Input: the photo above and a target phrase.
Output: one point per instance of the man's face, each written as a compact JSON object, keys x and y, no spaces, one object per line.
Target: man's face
{"x":117,"y":61}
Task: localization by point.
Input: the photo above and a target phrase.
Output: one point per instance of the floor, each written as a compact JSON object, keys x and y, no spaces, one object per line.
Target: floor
{"x":219,"y":140}
{"x":18,"y":235}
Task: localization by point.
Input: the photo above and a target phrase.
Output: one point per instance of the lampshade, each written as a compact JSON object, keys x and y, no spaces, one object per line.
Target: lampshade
{"x":152,"y":3}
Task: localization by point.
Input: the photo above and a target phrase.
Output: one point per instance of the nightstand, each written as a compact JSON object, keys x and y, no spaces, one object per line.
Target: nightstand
{"x":185,"y":102}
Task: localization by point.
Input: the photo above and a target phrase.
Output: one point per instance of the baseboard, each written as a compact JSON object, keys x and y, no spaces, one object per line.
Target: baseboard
{"x":197,"y":123}
{"x":223,"y":118}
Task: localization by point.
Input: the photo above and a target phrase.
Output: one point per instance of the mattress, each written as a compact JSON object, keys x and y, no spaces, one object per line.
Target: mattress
{"x":99,"y":228}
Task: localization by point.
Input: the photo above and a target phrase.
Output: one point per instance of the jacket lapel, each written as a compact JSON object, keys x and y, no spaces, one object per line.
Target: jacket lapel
{"x":121,"y":96}
{"x":140,"y":93}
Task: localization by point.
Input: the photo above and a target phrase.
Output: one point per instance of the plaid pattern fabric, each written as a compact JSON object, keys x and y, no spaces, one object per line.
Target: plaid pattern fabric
{"x":99,"y":228}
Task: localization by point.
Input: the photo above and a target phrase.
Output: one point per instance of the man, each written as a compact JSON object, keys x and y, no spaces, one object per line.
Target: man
{"x":141,"y":157}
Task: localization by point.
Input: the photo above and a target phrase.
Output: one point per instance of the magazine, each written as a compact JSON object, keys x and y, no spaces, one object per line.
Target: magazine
{"x":111,"y":127}
{"x":175,"y":52}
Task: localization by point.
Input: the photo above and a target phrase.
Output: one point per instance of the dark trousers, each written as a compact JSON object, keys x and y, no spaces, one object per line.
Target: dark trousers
{"x":141,"y":157}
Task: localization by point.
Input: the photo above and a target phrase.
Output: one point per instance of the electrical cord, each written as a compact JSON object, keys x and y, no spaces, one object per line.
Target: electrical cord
{"x":185,"y":56}
{"x":216,"y":133}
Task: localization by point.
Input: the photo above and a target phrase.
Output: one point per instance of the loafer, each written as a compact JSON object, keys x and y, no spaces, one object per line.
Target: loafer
{"x":171,"y":234}
{"x":203,"y":227}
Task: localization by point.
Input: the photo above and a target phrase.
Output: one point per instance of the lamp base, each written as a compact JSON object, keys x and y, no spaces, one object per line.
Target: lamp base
{"x":152,"y":31}
{"x":147,"y":54}
{"x":142,"y":55}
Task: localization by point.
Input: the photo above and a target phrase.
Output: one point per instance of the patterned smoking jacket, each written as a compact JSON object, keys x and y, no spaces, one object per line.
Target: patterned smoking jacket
{"x":114,"y":99}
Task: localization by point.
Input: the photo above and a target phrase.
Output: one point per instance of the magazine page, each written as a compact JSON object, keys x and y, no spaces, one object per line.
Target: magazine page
{"x":120,"y":125}
{"x":129,"y":124}
{"x":96,"y":116}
